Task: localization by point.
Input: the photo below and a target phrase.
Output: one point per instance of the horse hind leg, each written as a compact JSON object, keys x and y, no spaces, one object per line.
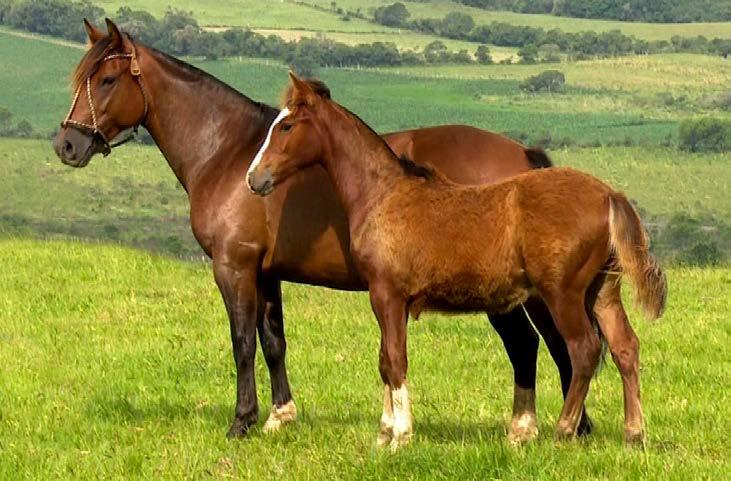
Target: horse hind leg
{"x":521,"y":344}
{"x":584,"y":350}
{"x":624,"y":346}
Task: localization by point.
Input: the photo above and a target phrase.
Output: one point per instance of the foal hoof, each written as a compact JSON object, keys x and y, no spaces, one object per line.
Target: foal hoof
{"x":586,"y":426}
{"x":279,"y":416}
{"x":635,"y":437}
{"x":399,"y":441}
{"x":565,"y":432}
{"x":385,"y":436}
{"x":523,"y":429}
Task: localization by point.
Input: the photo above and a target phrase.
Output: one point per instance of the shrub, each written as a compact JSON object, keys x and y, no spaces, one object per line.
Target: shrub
{"x":705,"y":135}
{"x":547,"y":81}
{"x":483,"y":55}
{"x":704,"y":253}
{"x":393,"y":15}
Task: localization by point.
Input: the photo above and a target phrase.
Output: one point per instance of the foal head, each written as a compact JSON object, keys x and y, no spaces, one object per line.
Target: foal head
{"x":294,"y":141}
{"x":108,"y":97}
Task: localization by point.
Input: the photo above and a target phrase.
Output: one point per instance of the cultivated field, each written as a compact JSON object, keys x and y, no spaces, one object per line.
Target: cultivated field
{"x":117,"y":365}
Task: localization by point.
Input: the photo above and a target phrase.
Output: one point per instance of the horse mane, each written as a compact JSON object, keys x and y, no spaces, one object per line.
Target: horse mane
{"x":415,"y":170}
{"x":90,"y":62}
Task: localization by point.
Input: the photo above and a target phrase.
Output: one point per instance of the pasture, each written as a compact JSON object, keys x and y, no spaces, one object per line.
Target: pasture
{"x":115,"y":355}
{"x":116,"y":364}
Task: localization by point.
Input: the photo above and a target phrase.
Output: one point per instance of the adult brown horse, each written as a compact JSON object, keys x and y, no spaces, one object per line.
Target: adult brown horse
{"x":421,"y":241}
{"x":209,"y":133}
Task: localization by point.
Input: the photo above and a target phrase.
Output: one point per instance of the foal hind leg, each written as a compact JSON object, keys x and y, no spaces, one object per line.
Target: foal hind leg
{"x":584,"y":350}
{"x":521,"y":344}
{"x":624,"y":346}
{"x":274,"y":346}
{"x":541,"y":317}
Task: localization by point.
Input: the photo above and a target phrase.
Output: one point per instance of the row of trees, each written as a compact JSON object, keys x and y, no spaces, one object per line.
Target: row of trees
{"x":178,"y":33}
{"x":458,"y":25}
{"x":667,"y":11}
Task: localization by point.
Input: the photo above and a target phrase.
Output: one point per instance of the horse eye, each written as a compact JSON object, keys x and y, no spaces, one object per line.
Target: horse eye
{"x":108,"y":80}
{"x":286,"y":127}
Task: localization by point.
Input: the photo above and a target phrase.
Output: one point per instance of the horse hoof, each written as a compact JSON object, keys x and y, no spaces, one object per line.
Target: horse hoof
{"x":240,"y":427}
{"x":279,"y":416}
{"x":523,"y":429}
{"x":565,"y":432}
{"x":586,"y":426}
{"x":634,"y":437}
{"x":384,"y":439}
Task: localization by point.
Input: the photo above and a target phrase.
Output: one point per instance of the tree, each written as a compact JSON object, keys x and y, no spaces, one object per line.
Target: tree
{"x":435,"y":52}
{"x":547,"y":81}
{"x":393,"y":15}
{"x":483,"y":55}
{"x":528,"y":54}
{"x":456,"y":25}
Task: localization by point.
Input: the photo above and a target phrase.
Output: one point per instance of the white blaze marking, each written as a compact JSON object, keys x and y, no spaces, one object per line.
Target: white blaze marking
{"x":265,"y":145}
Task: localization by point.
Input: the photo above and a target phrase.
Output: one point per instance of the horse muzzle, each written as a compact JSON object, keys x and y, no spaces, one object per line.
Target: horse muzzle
{"x":260,"y":182}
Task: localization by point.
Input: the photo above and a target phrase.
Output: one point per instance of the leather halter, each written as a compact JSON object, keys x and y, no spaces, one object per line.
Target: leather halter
{"x":93,"y":129}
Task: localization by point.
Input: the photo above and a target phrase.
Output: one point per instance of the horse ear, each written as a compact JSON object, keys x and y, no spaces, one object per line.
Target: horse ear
{"x":114,"y":34}
{"x":94,"y":33}
{"x":302,"y":92}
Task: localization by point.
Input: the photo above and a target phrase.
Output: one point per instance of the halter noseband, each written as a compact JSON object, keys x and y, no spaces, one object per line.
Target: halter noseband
{"x":93,"y":129}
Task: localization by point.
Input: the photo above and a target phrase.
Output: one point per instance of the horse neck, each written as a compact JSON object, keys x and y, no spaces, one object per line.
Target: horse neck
{"x":361,"y":165}
{"x":199,"y":124}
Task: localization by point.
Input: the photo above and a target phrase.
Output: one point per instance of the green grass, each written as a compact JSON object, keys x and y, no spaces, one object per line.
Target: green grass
{"x":116,"y":365}
{"x":647,"y":31}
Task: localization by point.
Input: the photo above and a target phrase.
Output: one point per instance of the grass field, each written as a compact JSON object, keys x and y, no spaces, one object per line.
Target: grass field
{"x":440,"y":8}
{"x":116,"y":365}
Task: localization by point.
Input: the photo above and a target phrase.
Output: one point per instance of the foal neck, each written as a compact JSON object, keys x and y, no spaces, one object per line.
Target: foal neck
{"x":362,"y":167}
{"x":202,"y":126}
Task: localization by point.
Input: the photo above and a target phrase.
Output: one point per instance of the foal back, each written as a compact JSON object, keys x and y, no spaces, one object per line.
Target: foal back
{"x":484,"y":248}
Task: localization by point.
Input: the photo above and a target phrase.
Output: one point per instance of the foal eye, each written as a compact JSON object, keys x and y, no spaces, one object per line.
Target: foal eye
{"x":108,"y":80}
{"x":286,"y":127}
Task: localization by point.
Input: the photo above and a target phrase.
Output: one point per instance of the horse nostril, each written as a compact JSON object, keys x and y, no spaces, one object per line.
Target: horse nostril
{"x":68,"y":147}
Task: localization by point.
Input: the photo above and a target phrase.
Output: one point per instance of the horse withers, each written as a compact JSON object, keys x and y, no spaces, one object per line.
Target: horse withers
{"x":208,"y":133}
{"x":422,"y":242}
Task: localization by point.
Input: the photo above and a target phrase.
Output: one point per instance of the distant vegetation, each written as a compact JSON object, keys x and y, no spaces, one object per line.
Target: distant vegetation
{"x":9,"y":128}
{"x":665,"y":11}
{"x":548,"y":81}
{"x":459,"y":25}
{"x":705,"y":135}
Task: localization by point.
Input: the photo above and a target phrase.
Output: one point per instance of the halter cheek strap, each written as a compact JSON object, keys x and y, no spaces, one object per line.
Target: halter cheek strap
{"x":93,"y":129}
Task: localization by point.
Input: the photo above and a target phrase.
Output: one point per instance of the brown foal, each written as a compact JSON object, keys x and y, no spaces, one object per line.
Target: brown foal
{"x":422,"y":242}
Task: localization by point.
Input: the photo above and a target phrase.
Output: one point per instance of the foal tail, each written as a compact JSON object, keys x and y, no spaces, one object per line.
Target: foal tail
{"x":631,"y":250}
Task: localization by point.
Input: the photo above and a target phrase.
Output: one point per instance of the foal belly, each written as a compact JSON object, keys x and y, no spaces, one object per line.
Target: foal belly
{"x":473,"y":293}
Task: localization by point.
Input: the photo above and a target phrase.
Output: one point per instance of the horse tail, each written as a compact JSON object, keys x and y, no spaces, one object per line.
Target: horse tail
{"x":538,"y":158}
{"x":630,"y":245}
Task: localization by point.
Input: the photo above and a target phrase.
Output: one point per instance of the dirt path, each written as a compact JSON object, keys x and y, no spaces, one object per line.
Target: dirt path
{"x":42,"y":38}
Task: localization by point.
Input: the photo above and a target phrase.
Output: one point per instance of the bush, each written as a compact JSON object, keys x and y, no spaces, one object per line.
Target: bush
{"x":704,"y":253}
{"x":483,"y":55}
{"x":393,"y":15}
{"x":547,"y":81}
{"x":705,"y":135}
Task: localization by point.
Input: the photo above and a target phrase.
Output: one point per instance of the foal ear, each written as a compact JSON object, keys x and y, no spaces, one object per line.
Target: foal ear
{"x":93,"y":33}
{"x":114,"y":34}
{"x":302,"y":92}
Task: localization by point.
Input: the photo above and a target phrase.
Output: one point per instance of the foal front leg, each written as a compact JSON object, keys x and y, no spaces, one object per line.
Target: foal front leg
{"x":396,"y":422}
{"x":238,"y":286}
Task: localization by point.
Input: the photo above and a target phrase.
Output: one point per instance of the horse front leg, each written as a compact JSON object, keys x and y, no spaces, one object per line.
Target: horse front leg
{"x":274,"y":346}
{"x":238,"y":286}
{"x":392,"y":315}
